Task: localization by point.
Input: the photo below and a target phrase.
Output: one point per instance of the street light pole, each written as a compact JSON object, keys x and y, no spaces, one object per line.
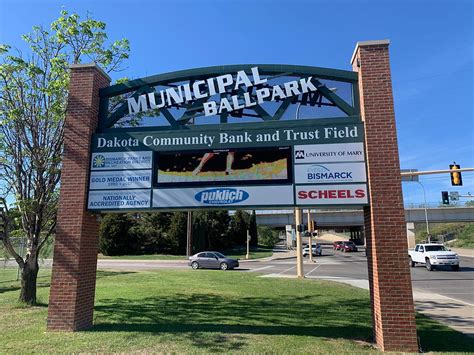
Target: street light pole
{"x":299,"y":252}
{"x":298,"y":224}
{"x":310,"y":238}
{"x":426,"y":212}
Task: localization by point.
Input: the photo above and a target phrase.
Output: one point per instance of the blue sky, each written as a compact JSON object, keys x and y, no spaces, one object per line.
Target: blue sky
{"x":431,"y":56}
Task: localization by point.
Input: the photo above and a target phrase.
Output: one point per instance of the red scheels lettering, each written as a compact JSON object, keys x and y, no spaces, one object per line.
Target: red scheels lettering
{"x":331,"y":194}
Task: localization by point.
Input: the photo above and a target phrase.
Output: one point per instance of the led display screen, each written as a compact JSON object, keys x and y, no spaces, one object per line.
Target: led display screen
{"x":230,"y":166}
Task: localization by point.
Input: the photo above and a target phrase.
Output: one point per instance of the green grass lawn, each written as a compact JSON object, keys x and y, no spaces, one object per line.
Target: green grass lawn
{"x":208,"y":312}
{"x":255,"y":252}
{"x":144,"y":257}
{"x":237,"y":253}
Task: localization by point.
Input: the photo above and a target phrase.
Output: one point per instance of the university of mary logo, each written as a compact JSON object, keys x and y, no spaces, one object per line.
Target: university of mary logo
{"x":98,"y":162}
{"x":299,"y":154}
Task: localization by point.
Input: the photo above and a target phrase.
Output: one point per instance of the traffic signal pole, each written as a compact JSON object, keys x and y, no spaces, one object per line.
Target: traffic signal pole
{"x":431,"y":172}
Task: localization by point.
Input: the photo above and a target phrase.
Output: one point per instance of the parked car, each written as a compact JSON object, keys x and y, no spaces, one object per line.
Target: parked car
{"x":348,"y":246}
{"x":316,"y":249}
{"x":337,"y":245}
{"x":212,"y":260}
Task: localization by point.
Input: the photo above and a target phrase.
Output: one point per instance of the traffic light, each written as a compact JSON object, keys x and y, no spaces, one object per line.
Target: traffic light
{"x":315,"y":228}
{"x":456,"y":178}
{"x":445,"y":197}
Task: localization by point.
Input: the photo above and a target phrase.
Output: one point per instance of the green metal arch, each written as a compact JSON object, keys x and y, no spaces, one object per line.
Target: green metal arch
{"x":206,"y":72}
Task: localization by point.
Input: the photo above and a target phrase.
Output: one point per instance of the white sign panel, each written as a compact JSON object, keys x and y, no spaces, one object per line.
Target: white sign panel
{"x":121,"y":179}
{"x":224,"y":196}
{"x":324,"y":173}
{"x":123,"y":199}
{"x":323,"y":153}
{"x":331,"y":194}
{"x":121,"y":160}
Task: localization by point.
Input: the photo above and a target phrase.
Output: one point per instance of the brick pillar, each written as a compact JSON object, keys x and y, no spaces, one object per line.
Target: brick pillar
{"x":389,"y":274}
{"x":71,"y":300}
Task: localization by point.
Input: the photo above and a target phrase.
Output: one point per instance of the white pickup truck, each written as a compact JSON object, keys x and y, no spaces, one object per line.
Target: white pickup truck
{"x":433,"y":255}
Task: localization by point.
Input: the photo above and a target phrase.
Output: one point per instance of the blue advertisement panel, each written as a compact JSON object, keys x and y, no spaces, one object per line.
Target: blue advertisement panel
{"x":224,"y":196}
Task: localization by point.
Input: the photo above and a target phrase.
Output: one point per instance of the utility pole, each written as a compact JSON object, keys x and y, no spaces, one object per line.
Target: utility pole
{"x":247,"y":256}
{"x":299,"y":252}
{"x":310,"y":237}
{"x":189,"y":235}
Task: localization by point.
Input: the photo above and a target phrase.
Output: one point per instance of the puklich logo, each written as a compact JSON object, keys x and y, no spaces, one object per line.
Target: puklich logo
{"x":299,"y":154}
{"x":98,"y":162}
{"x":221,"y":196}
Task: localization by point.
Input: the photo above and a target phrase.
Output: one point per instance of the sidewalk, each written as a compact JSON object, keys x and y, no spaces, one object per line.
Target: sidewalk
{"x":456,"y":314}
{"x":464,"y":252}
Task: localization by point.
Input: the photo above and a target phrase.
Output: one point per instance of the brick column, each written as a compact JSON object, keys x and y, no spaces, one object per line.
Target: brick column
{"x":71,"y":300}
{"x":389,"y":274}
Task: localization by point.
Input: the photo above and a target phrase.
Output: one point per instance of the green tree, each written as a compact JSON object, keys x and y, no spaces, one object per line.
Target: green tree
{"x":267,"y":236}
{"x":114,"y":234}
{"x":176,"y":234}
{"x":150,"y":235}
{"x":239,"y":225}
{"x":211,"y":229}
{"x":33,"y":97}
{"x":253,"y":229}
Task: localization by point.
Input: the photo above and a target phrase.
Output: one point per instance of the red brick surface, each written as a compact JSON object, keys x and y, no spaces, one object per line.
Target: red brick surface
{"x":71,"y":300}
{"x":389,"y":274}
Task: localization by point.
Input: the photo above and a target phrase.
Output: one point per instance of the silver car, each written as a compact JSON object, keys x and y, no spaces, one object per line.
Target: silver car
{"x":316,"y":249}
{"x":212,"y":260}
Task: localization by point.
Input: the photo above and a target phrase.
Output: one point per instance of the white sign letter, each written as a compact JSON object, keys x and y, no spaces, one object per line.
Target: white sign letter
{"x":136,"y":106}
{"x":210,"y":108}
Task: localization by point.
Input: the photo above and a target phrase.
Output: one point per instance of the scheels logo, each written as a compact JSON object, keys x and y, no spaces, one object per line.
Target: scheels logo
{"x":221,"y":196}
{"x":323,"y":194}
{"x":98,"y":162}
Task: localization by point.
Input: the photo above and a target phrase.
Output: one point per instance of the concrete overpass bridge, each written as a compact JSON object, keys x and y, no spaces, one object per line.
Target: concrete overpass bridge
{"x":355,"y":217}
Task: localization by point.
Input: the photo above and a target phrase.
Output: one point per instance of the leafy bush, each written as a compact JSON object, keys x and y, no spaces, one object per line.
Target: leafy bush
{"x":465,"y":238}
{"x":463,"y":233}
{"x":267,"y":236}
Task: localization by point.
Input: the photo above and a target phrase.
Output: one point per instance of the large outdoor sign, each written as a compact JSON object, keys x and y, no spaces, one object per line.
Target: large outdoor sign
{"x":274,"y":162}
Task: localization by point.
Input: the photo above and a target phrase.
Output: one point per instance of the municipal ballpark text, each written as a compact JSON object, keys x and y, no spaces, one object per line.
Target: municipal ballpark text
{"x":203,"y":89}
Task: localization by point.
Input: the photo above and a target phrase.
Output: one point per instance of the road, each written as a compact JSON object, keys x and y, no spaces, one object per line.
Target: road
{"x":338,"y":266}
{"x":333,"y":264}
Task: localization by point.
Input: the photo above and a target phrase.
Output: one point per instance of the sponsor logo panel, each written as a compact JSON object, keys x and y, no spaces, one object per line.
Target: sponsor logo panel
{"x":121,"y":160}
{"x":324,"y":173}
{"x":224,"y":196}
{"x":119,"y":199}
{"x":322,"y":153}
{"x":331,"y":194}
{"x":123,"y":179}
